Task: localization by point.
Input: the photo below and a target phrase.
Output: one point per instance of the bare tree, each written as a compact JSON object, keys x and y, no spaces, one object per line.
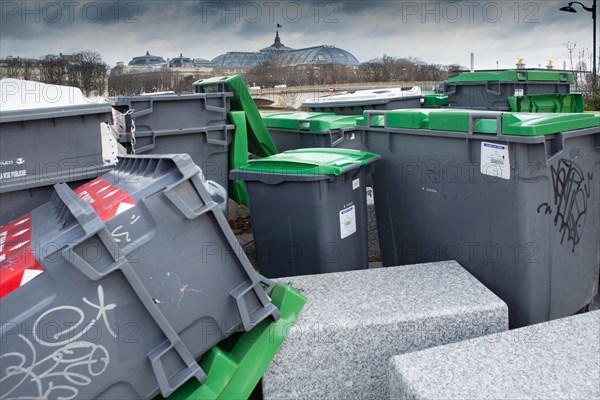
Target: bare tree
{"x":53,"y":69}
{"x":570,"y":47}
{"x":91,"y":71}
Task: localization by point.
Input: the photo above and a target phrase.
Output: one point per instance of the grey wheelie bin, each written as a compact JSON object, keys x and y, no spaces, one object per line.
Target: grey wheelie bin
{"x":195,"y":124}
{"x":513,"y":197}
{"x":308,"y":210}
{"x":300,"y":130}
{"x":44,"y":146}
{"x":115,"y":290}
{"x":489,"y":90}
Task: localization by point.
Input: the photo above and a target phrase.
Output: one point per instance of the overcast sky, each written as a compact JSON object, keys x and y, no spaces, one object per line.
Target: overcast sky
{"x":441,"y":31}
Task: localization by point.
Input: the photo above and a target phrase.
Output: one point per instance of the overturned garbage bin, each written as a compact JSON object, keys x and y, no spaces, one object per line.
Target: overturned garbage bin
{"x":308,"y":210}
{"x":116,"y":289}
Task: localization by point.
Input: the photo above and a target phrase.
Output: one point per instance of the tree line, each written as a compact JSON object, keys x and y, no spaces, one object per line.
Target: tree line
{"x":87,"y":71}
{"x":84,"y":70}
{"x":385,"y":69}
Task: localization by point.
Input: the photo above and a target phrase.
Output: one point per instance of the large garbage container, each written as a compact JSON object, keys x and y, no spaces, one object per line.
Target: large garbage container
{"x":354,"y":103}
{"x":195,"y":124}
{"x":116,"y":289}
{"x":300,"y":130}
{"x":489,"y":90}
{"x":513,"y":197}
{"x":40,"y":147}
{"x":308,"y":210}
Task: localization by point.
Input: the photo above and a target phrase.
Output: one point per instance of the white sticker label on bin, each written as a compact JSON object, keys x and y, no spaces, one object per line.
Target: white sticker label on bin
{"x":347,"y":221}
{"x":494,"y":160}
{"x":519,"y":92}
{"x":355,"y":183}
{"x":12,"y":169}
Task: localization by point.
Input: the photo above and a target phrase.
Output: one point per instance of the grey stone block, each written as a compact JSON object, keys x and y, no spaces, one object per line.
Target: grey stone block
{"x":353,"y":322}
{"x":559,"y":359}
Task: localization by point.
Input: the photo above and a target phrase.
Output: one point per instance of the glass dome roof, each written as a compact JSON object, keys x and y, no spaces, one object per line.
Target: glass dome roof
{"x":286,"y":56}
{"x":317,"y":55}
{"x":147,"y":59}
{"x":181,"y":61}
{"x":237,"y":59}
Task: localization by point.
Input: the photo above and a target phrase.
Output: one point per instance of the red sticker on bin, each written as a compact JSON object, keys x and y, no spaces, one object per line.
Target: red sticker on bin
{"x":106,"y":199}
{"x":17,"y":262}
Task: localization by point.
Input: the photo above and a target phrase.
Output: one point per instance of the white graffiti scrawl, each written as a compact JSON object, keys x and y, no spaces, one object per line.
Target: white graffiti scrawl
{"x":73,"y":363}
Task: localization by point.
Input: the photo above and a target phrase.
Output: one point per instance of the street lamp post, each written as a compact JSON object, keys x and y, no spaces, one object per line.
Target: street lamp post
{"x":593,"y":10}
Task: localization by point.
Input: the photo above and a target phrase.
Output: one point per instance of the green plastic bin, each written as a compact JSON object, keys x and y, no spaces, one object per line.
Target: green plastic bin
{"x":300,"y":130}
{"x":308,"y":210}
{"x":513,"y":197}
{"x":490,"y":90}
{"x":234,"y":367}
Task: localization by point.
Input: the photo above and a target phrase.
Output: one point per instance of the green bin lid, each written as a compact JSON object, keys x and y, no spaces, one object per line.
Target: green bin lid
{"x":435,"y":100}
{"x":314,"y":161}
{"x":409,"y":118}
{"x":309,"y":121}
{"x":512,"y":75}
{"x":535,"y":124}
{"x":457,"y":120}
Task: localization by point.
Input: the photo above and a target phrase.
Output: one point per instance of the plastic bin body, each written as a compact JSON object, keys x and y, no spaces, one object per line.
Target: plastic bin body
{"x":301,"y":130}
{"x":532,"y":239}
{"x":41,"y":147}
{"x":14,"y":203}
{"x":374,"y":99}
{"x":490,"y":90}
{"x":358,"y":107}
{"x":195,"y":124}
{"x":309,"y":223}
{"x":140,"y":276}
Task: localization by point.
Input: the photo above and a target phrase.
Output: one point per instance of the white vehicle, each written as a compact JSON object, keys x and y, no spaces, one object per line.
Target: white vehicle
{"x":254,"y":87}
{"x":284,"y":86}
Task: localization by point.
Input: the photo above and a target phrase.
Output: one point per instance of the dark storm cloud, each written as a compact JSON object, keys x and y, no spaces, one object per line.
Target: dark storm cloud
{"x":435,"y":31}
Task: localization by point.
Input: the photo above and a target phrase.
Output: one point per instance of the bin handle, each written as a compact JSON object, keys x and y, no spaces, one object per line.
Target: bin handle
{"x":492,"y":91}
{"x":300,"y":122}
{"x":188,"y":210}
{"x":472,"y":117}
{"x":299,"y":128}
{"x":223,"y":109}
{"x":338,"y":140}
{"x":553,"y":152}
{"x":246,"y":316}
{"x":475,"y":116}
{"x":451,"y":91}
{"x":91,"y":223}
{"x":147,"y":147}
{"x":373,"y":113}
{"x":219,"y":142}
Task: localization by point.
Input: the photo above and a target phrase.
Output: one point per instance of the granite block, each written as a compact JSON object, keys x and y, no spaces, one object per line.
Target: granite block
{"x":354,"y":321}
{"x":559,"y":359}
